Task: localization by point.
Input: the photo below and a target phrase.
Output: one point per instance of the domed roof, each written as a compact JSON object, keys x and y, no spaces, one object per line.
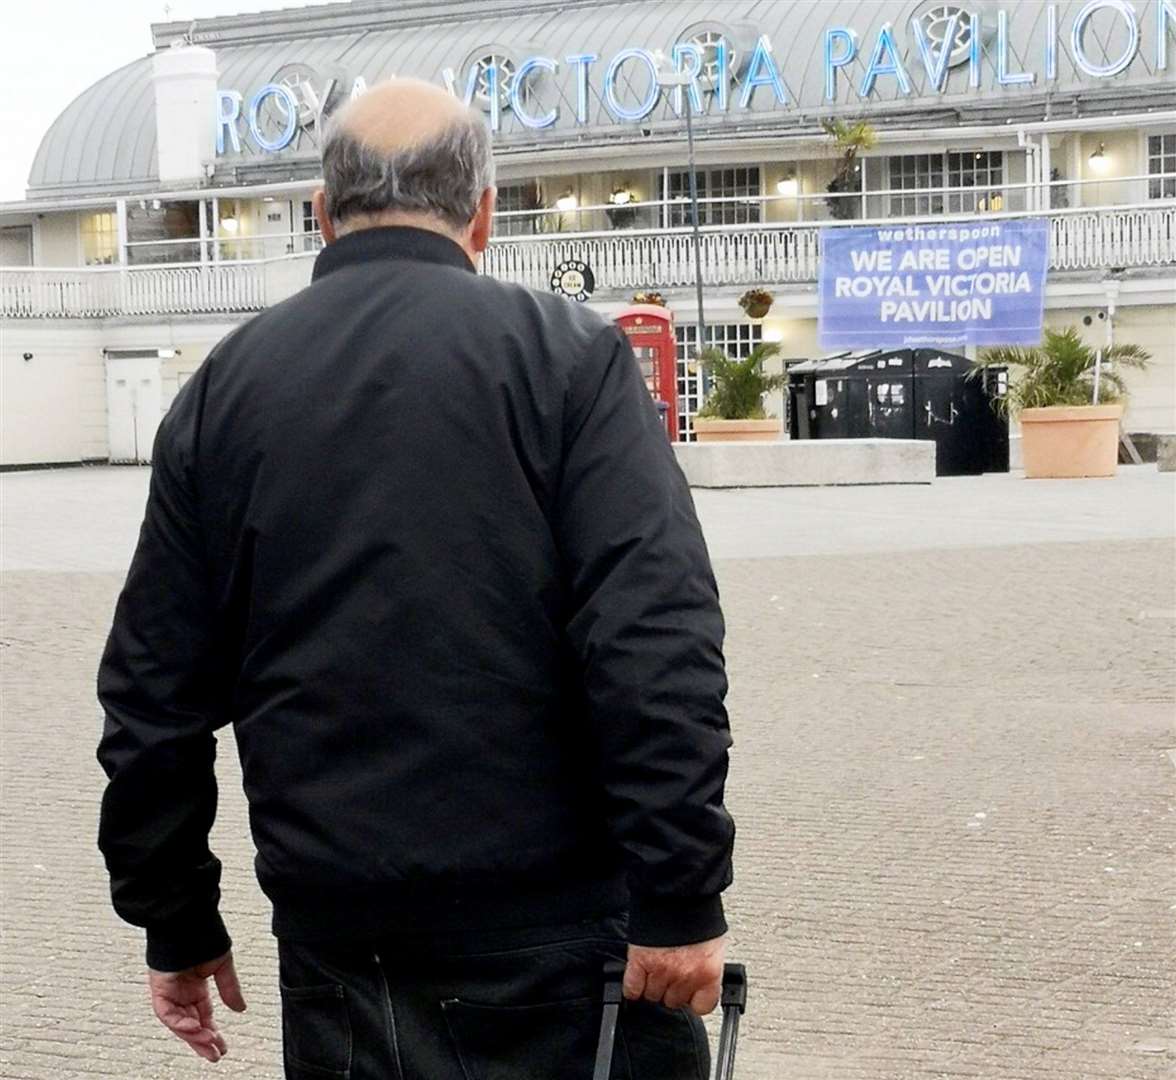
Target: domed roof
{"x":106,"y":138}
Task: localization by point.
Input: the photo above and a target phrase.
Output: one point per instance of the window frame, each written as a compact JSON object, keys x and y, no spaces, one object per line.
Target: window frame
{"x":1165,"y":157}
{"x":85,"y":235}
{"x":717,"y":182}
{"x":735,"y":339}
{"x":947,"y":168}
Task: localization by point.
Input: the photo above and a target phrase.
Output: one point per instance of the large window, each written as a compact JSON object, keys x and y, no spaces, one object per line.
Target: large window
{"x":735,"y":339}
{"x":99,"y":239}
{"x":735,"y":182}
{"x":916,"y":172}
{"x":311,"y":239}
{"x":163,"y":232}
{"x":16,"y":245}
{"x":518,"y":197}
{"x":982,"y":170}
{"x":979,"y":169}
{"x":1161,"y":158}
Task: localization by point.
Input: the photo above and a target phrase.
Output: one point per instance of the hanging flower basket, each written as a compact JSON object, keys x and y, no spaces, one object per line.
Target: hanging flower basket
{"x":756,"y":303}
{"x":654,"y":298}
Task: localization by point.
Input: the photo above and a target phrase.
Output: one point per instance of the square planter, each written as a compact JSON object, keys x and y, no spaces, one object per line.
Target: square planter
{"x":1071,"y":441}
{"x":707,"y":430}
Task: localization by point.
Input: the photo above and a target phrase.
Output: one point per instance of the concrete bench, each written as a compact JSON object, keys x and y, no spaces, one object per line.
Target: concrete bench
{"x":807,"y":463}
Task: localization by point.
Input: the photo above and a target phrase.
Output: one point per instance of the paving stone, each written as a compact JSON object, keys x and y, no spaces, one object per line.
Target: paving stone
{"x":957,"y":815}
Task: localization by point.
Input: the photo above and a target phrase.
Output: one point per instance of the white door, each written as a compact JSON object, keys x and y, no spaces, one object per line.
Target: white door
{"x":134,"y":406}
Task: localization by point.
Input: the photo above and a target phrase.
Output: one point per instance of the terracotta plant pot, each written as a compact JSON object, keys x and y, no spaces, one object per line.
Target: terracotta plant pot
{"x":708,"y":430}
{"x":1071,"y":441}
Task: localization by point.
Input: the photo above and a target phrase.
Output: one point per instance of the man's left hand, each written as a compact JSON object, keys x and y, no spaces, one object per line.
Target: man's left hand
{"x":183,"y":1004}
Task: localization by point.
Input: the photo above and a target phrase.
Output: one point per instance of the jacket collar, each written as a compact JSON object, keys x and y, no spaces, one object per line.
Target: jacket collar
{"x":390,"y":242}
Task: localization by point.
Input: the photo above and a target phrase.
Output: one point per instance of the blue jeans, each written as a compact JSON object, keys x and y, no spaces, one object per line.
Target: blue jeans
{"x":512,"y":1005}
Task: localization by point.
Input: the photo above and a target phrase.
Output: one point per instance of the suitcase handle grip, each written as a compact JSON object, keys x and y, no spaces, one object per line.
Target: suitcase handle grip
{"x":733,"y":1000}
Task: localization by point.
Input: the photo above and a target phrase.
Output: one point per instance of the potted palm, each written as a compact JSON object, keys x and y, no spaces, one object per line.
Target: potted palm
{"x":1069,"y":403}
{"x":734,"y":409}
{"x":850,"y":138}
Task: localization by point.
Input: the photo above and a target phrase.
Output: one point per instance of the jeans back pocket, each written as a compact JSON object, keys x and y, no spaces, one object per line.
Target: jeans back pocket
{"x":547,"y":1041}
{"x":316,"y":1032}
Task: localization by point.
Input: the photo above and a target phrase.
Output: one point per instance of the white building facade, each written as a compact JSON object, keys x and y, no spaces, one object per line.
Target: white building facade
{"x":171,"y":201}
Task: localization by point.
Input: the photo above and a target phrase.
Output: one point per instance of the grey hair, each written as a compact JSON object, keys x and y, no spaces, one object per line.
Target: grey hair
{"x":444,"y":175}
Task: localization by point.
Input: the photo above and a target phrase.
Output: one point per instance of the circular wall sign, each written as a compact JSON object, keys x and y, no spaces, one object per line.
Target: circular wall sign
{"x":573,"y":279}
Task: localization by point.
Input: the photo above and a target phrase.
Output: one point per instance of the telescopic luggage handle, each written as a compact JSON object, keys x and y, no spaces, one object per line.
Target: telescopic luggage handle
{"x":733,"y":1002}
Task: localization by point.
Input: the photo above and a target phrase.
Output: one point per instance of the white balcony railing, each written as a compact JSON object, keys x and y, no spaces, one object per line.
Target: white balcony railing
{"x":1132,"y":237}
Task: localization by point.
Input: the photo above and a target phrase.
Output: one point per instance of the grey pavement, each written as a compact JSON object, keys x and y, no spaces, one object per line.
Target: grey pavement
{"x":954,"y":778}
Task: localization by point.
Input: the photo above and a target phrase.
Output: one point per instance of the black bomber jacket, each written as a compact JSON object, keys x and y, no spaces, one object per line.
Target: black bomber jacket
{"x":419,"y":536}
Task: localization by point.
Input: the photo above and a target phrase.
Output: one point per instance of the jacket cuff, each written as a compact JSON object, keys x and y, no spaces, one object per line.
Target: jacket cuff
{"x":182,"y":944}
{"x":659,"y":922}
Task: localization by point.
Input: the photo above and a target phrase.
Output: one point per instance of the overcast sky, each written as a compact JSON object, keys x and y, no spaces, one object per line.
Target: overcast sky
{"x":55,"y":49}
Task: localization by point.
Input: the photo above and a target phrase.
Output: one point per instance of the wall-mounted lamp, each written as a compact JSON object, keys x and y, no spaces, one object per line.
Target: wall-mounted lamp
{"x":788,"y":187}
{"x":566,"y":202}
{"x":1099,"y":162}
{"x":622,"y":197}
{"x":155,"y":204}
{"x":229,"y":224}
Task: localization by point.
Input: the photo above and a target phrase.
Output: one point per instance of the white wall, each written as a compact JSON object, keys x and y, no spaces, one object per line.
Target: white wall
{"x":52,"y":406}
{"x":56,"y":240}
{"x":1151,"y":406}
{"x":192,"y":340}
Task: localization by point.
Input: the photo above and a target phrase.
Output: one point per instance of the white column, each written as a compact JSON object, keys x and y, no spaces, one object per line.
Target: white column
{"x":1075,"y":169}
{"x":120,"y":217}
{"x":1046,"y":169}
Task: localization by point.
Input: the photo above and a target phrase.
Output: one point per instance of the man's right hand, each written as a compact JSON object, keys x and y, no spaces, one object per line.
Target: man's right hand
{"x":182,"y":1002}
{"x":681,"y":975}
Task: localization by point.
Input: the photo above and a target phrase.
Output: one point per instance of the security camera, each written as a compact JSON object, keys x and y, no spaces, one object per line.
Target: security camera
{"x":647,"y":132}
{"x":26,"y":356}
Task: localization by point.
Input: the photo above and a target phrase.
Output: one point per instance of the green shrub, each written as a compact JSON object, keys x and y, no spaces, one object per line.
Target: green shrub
{"x":738,"y":386}
{"x":1060,"y":371}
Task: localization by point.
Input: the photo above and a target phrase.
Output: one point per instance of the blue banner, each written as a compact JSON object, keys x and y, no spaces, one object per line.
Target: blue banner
{"x":976,"y":282}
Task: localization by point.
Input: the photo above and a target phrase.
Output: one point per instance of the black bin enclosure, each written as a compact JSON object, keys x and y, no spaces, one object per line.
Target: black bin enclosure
{"x":819,"y":404}
{"x":904,"y":394}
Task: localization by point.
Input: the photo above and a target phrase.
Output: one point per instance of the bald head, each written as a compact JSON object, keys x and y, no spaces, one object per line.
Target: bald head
{"x":408,"y":153}
{"x":400,"y":113}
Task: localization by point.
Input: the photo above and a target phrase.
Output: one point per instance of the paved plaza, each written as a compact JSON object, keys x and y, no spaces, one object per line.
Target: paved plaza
{"x":954,"y":778}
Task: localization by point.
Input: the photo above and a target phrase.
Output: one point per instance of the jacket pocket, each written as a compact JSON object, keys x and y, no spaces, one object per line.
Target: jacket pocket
{"x":548,"y":1041}
{"x":316,"y":1032}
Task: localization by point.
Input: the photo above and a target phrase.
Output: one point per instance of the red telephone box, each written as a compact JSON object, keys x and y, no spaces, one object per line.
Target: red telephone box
{"x":650,"y":329}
